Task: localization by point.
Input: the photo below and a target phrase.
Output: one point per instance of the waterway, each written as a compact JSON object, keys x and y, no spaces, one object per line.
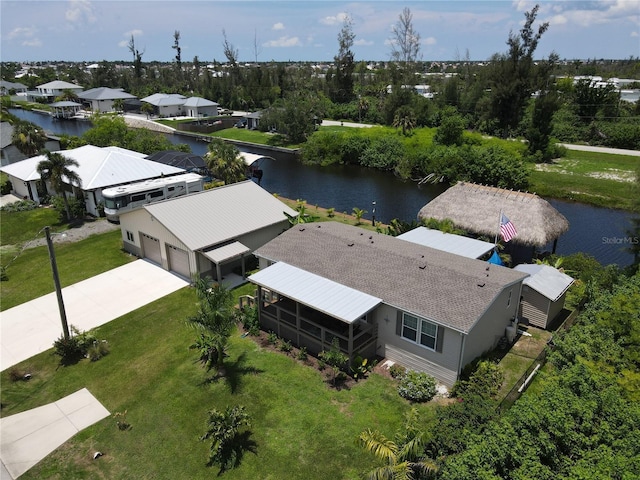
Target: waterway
{"x":600,"y":232}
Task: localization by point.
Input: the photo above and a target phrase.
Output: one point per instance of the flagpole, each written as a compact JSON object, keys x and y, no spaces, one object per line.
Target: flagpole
{"x":495,"y":242}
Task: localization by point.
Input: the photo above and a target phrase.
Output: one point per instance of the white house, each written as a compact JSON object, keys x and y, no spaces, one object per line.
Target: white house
{"x":211,"y":233}
{"x":423,"y":308}
{"x":51,"y":90}
{"x":200,"y":107}
{"x":98,"y":167}
{"x":101,"y":99}
{"x":166,"y":104}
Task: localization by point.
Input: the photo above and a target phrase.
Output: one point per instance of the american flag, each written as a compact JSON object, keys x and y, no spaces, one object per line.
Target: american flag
{"x":507,"y":230}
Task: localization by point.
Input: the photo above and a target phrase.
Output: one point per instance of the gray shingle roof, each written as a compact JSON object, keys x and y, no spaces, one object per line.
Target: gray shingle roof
{"x":436,"y":285}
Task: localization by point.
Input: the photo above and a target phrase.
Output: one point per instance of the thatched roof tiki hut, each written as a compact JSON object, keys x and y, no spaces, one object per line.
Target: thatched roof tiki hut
{"x":476,"y":209}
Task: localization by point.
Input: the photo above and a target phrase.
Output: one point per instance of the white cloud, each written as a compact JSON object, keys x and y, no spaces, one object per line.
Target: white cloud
{"x":335,"y":20}
{"x":34,"y":42}
{"x":363,"y":43}
{"x":285,"y":41}
{"x":634,"y":34}
{"x":80,"y":11}
{"x":429,"y":41}
{"x":135,"y":33}
{"x":278,"y":26}
{"x":20,"y":32}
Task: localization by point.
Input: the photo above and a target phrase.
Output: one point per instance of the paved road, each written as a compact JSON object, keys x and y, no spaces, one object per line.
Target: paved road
{"x":614,"y":151}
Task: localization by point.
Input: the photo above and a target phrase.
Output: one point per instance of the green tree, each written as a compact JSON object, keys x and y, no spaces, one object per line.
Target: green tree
{"x":405,"y":45}
{"x":68,"y":96}
{"x":539,"y":132}
{"x":57,"y":170}
{"x":451,"y":128}
{"x":28,"y":138}
{"x":227,"y":442}
{"x":137,"y":57}
{"x":344,"y":61}
{"x":176,"y":47}
{"x":405,"y":119}
{"x":403,"y":458}
{"x":225,"y":163}
{"x":513,"y":76}
{"x":215,"y":319}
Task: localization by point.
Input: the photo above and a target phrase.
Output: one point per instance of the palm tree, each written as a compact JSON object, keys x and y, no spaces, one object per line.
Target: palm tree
{"x":215,"y":320}
{"x":405,"y":118}
{"x":405,"y":458}
{"x":28,"y":138}
{"x":225,"y":163}
{"x":358,"y":213}
{"x":57,"y":170}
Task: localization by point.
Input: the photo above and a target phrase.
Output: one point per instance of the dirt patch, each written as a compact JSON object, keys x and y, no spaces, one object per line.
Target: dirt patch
{"x":78,"y":231}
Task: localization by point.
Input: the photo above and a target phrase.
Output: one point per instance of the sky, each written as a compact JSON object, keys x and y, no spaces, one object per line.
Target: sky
{"x":306,"y":30}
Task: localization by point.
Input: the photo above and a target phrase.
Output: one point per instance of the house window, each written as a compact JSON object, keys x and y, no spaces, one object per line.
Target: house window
{"x":509,"y":299}
{"x":419,"y":331}
{"x":130,"y":236}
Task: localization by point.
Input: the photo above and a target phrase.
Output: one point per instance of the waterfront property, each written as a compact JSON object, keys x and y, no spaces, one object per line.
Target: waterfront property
{"x":101,"y":99}
{"x":543,"y":294}
{"x":98,"y":168}
{"x":211,"y":233}
{"x":423,"y":308}
{"x":176,"y":105}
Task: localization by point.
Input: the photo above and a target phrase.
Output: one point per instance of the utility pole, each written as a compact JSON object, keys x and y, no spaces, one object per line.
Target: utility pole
{"x":56,"y":281}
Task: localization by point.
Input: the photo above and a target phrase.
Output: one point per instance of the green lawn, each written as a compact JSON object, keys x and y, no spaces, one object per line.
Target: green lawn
{"x":29,"y":275}
{"x":595,"y":178}
{"x":19,"y":227}
{"x":302,"y":429}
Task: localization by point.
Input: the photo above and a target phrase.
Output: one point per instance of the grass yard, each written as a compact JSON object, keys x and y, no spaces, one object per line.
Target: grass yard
{"x":595,"y":178}
{"x":20,"y":227}
{"x":29,"y":275}
{"x":301,"y":428}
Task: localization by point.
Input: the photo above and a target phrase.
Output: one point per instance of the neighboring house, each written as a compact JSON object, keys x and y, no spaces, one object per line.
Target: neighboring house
{"x":101,"y":99}
{"x":210,"y":234}
{"x":166,"y":104}
{"x":7,"y":88}
{"x":200,"y":107}
{"x":9,"y":153}
{"x":448,"y":242}
{"x":99,"y":168}
{"x":253,"y":120}
{"x":49,"y":91}
{"x":425,"y":309}
{"x":543,"y":294}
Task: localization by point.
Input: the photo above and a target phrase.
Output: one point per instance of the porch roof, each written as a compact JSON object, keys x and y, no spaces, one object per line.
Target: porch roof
{"x":225,"y":252}
{"x":339,"y":301}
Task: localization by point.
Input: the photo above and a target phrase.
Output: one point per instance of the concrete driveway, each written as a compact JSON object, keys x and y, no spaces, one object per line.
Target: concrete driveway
{"x":32,"y":327}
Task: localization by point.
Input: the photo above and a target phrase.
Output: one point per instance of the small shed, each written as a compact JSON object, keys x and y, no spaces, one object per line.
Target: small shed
{"x":65,"y":109}
{"x":543,"y":294}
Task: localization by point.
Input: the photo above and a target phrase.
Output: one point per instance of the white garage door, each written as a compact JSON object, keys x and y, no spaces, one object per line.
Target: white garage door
{"x":178,"y":261}
{"x":151,"y":248}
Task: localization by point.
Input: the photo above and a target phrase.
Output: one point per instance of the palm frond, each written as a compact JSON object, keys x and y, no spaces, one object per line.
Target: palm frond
{"x":376,"y":443}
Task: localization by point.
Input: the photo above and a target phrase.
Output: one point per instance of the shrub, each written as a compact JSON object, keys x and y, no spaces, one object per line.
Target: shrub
{"x":78,"y":345}
{"x":21,"y":206}
{"x":68,"y":349}
{"x":417,"y":386}
{"x":250,"y":321}
{"x":17,"y":374}
{"x":302,"y":354}
{"x":272,"y":338}
{"x":98,"y":350}
{"x":286,"y":346}
{"x":361,"y":367}
{"x":397,"y":371}
{"x":121,"y":420}
{"x":485,"y":381}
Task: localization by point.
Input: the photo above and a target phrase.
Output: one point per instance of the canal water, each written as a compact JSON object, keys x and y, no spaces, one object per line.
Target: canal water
{"x":600,"y":232}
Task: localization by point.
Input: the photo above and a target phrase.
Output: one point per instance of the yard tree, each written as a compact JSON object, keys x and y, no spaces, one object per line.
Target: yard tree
{"x":344,"y":60}
{"x":405,"y":119}
{"x":225,"y":163}
{"x":215,"y":319}
{"x":137,"y":57}
{"x":57,"y":170}
{"x":28,"y":138}
{"x":176,"y":47}
{"x":512,"y":77}
{"x":539,"y":132}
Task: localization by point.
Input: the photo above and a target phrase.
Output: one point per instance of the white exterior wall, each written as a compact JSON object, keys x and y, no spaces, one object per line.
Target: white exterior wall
{"x":492,"y":325}
{"x":21,"y":190}
{"x":170,"y":110}
{"x":102,"y":106}
{"x":140,"y":221}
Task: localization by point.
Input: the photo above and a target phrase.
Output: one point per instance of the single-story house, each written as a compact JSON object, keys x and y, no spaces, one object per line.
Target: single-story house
{"x":98,"y":167}
{"x":7,"y":88}
{"x":423,"y":308}
{"x":211,"y":233}
{"x":101,"y":99}
{"x":543,"y":294}
{"x":9,"y":153}
{"x":448,"y":242}
{"x":200,"y":107}
{"x":49,"y":91}
{"x":166,"y":104}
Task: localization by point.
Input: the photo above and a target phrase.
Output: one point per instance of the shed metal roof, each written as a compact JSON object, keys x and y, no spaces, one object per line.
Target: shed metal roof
{"x":546,"y":280}
{"x":218,"y":215}
{"x":226,"y":252}
{"x":332,"y":298}
{"x":448,"y":242}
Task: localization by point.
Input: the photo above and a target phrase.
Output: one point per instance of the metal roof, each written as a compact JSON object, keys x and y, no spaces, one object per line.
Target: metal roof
{"x":165,"y":99}
{"x":448,"y":242}
{"x":546,"y":280}
{"x":226,"y":252}
{"x":442,"y":287}
{"x":60,"y":85}
{"x":251,"y":158}
{"x":218,"y":215}
{"x":98,"y":167}
{"x":199,"y":102}
{"x":319,"y":293}
{"x":104,"y":93}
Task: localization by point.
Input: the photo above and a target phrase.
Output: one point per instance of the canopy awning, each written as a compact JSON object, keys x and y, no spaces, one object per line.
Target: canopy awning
{"x":448,"y":242}
{"x":226,"y":252}
{"x":251,"y":158}
{"x":319,"y":293}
